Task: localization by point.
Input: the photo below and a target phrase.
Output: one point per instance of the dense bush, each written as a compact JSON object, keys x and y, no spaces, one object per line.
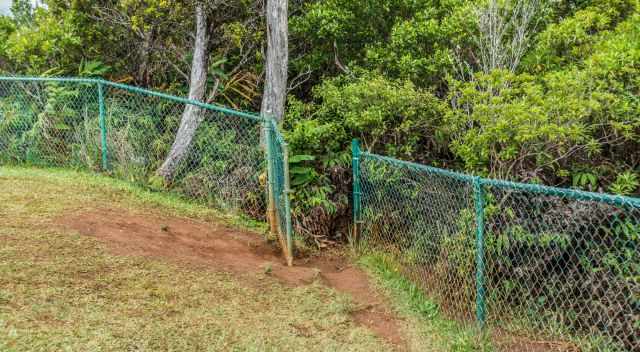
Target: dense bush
{"x":393,"y":117}
{"x":48,"y":124}
{"x":556,"y":268}
{"x":568,"y":115}
{"x":565,"y":266}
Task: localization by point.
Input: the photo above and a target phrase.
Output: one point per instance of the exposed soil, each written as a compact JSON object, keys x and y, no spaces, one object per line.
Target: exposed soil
{"x":223,"y":248}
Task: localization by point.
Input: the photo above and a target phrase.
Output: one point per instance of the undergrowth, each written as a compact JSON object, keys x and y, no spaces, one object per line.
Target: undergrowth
{"x":430,"y":329}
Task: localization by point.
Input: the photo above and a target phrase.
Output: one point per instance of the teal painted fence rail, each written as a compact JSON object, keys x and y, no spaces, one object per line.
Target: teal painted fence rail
{"x":355,"y":165}
{"x":137,"y":90}
{"x":479,"y":202}
{"x":534,"y":267}
{"x":103,"y":128}
{"x":126,"y":131}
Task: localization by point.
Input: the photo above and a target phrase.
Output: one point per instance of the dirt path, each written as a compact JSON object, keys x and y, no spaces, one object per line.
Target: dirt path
{"x":221,"y":247}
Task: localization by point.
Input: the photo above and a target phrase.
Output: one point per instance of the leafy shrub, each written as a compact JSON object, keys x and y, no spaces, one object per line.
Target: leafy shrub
{"x":556,"y":125}
{"x":567,"y":268}
{"x":392,"y":117}
{"x":49,"y":124}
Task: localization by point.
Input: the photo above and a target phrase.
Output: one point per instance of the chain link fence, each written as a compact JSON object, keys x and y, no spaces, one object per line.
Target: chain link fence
{"x":534,"y":268}
{"x":129,"y":132}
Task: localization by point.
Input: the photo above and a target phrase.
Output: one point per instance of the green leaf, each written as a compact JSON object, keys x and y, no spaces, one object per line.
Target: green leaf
{"x":62,"y":126}
{"x":300,"y":170}
{"x":302,"y":179}
{"x":301,"y":157}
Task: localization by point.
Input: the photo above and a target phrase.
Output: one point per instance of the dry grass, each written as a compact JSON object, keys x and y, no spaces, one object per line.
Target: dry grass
{"x":62,"y":291}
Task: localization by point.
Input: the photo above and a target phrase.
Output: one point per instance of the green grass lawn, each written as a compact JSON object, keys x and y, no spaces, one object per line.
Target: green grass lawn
{"x":60,"y":291}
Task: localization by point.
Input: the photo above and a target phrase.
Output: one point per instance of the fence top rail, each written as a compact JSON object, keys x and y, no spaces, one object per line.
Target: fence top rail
{"x":528,"y":187}
{"x":133,"y":89}
{"x":565,"y":192}
{"x":430,"y":169}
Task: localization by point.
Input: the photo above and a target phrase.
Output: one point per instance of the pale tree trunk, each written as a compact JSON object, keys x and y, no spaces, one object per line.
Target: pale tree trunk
{"x":145,"y":56}
{"x":192,"y":115}
{"x":275,"y":86}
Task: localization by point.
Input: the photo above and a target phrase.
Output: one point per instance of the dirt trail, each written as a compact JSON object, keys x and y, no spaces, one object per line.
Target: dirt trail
{"x":223,"y":248}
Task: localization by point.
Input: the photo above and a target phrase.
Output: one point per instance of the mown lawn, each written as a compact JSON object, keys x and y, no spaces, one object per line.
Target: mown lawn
{"x":62,"y":291}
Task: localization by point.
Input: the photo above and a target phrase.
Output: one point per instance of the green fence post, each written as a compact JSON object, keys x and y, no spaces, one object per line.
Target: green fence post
{"x":480,"y":284}
{"x":271,"y":207}
{"x":355,"y":165}
{"x":287,"y":204}
{"x":103,"y":128}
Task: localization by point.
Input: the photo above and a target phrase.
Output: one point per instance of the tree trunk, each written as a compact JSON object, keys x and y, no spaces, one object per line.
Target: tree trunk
{"x":192,"y":115}
{"x":275,"y":87}
{"x":145,"y":57}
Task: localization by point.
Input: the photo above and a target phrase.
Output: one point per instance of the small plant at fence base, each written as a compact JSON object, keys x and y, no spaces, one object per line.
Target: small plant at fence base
{"x":127,"y":132}
{"x":537,"y":263}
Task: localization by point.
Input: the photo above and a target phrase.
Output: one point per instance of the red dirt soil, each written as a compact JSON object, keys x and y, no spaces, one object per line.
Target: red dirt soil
{"x":224,"y":248}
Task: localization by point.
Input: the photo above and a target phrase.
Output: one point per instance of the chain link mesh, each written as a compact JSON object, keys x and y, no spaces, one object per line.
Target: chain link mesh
{"x":222,"y":166}
{"x":280,"y":186}
{"x":61,"y":123}
{"x":52,"y":124}
{"x":555,"y":269}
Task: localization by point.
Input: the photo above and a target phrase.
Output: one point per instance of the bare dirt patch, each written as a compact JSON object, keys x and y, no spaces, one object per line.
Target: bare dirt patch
{"x":222,"y":248}
{"x":372,"y":311}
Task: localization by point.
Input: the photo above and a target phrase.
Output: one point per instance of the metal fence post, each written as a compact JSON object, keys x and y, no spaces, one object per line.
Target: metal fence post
{"x":271,"y":208}
{"x":355,"y":165}
{"x":480,"y":283}
{"x":103,"y":127}
{"x":287,"y":204}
